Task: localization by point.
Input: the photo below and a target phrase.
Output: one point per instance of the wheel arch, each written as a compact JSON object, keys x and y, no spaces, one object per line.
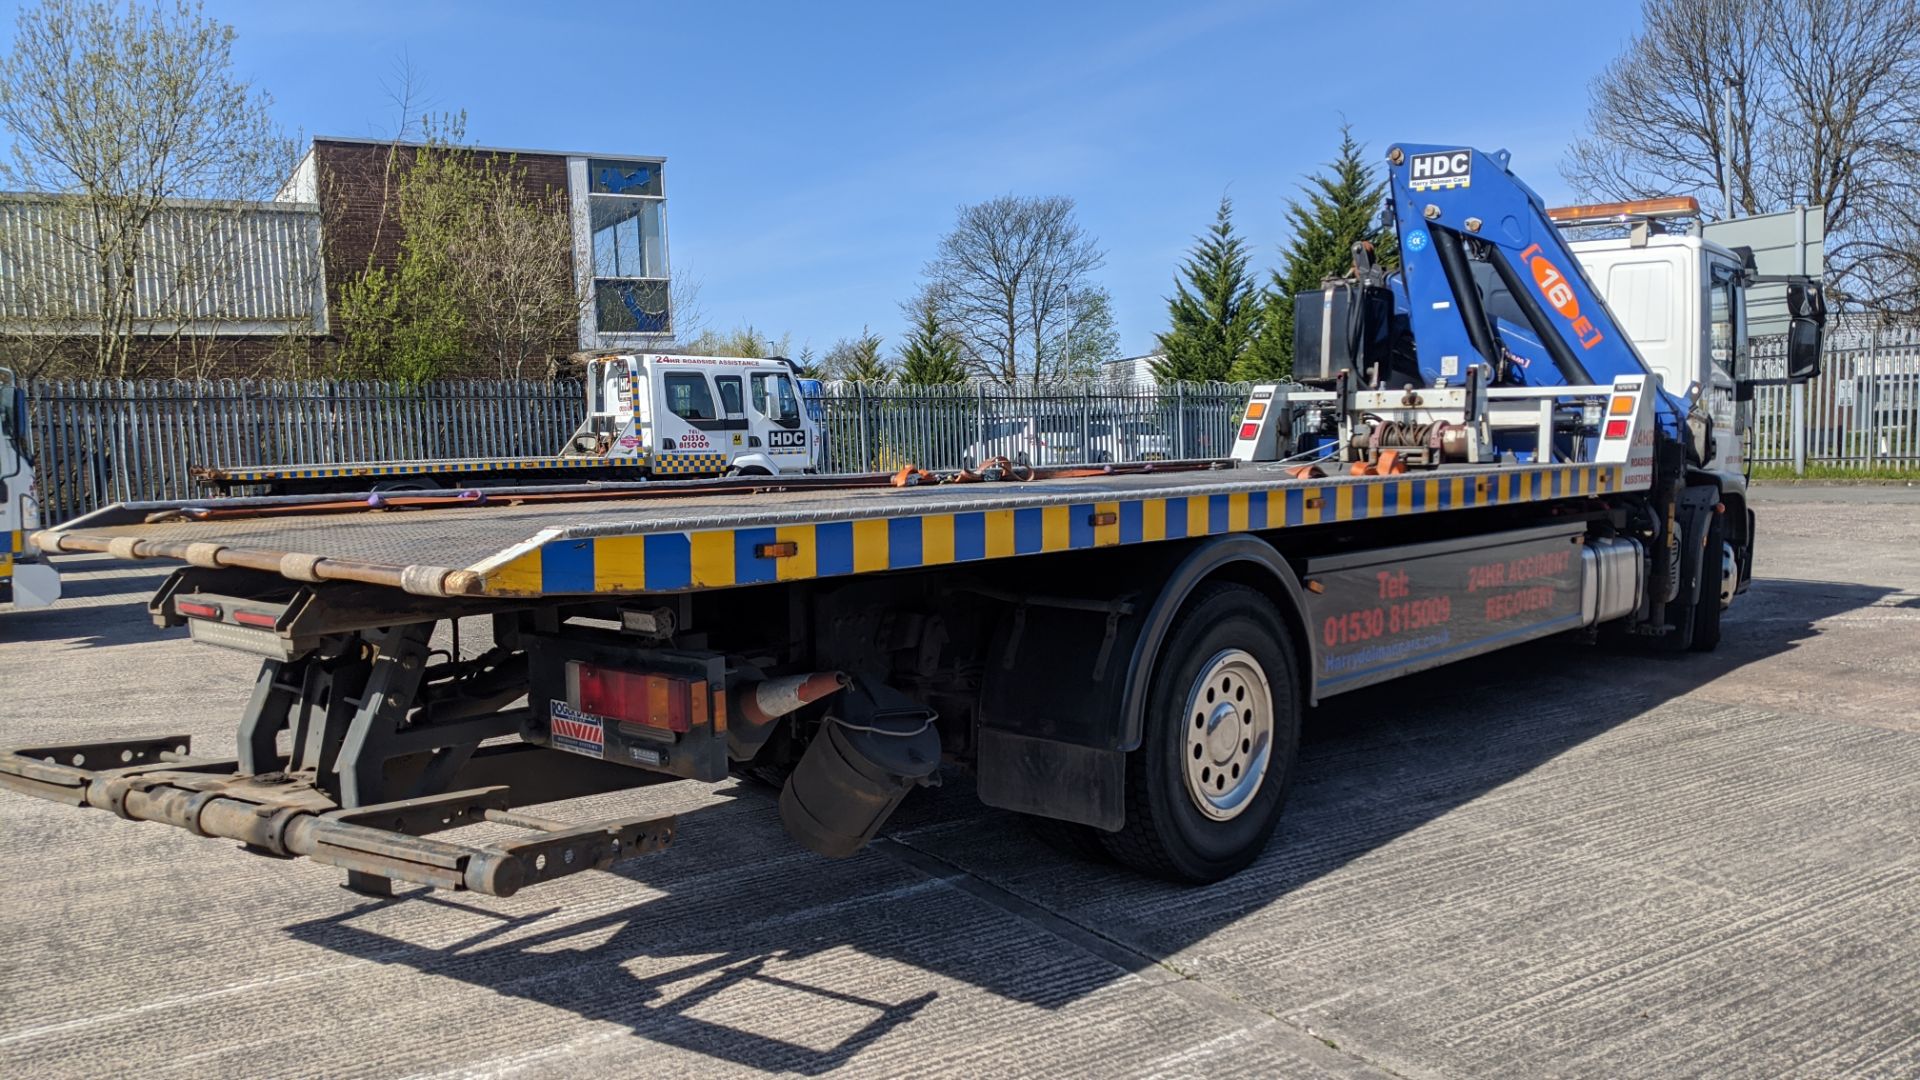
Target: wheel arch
{"x":1240,"y":559}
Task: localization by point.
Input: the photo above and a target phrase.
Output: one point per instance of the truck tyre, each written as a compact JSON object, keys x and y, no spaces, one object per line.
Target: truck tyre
{"x":1706,"y":606}
{"x":1222,"y":726}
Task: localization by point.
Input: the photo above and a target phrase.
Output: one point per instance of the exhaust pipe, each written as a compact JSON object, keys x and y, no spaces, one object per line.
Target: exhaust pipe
{"x":753,"y":708}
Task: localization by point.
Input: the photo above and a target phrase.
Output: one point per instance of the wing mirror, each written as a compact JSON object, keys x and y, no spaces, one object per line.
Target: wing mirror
{"x":1806,"y":327}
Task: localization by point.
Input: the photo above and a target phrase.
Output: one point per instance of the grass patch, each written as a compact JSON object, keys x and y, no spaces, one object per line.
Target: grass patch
{"x":1871,"y":474}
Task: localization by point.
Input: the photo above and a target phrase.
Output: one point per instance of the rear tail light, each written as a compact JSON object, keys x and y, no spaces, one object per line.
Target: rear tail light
{"x":197,"y":610}
{"x":1249,"y":430}
{"x":655,"y":701}
{"x":1616,"y":429}
{"x":259,"y":619}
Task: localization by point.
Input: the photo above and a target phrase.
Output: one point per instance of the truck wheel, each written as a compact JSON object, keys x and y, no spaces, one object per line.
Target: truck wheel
{"x":1205,"y":789}
{"x":1706,"y":606}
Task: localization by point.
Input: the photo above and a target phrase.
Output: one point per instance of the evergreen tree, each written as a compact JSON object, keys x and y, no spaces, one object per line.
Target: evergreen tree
{"x":1214,"y":312}
{"x":1341,"y":205}
{"x":931,"y":355}
{"x":807,"y":363}
{"x":858,"y":360}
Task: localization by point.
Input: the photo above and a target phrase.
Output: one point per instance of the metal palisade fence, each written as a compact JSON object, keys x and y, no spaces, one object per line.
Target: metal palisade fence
{"x":96,"y":442}
{"x":1862,"y":413}
{"x":869,"y":428}
{"x":101,"y":441}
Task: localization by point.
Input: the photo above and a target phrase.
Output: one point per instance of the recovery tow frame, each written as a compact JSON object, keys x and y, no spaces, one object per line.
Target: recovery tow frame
{"x":285,"y":815}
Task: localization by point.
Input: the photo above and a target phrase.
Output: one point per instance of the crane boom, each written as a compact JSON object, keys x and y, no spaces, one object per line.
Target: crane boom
{"x":1455,"y":207}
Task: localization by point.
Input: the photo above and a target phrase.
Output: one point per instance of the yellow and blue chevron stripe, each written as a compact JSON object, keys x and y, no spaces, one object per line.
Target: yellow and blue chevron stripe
{"x":720,"y":558}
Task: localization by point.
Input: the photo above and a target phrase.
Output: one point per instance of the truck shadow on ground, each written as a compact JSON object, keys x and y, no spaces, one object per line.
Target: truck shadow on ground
{"x":737,"y":952}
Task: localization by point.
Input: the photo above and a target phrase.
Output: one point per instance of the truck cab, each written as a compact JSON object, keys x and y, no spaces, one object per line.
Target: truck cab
{"x":697,"y":415}
{"x":25,"y":582}
{"x":1682,"y":300}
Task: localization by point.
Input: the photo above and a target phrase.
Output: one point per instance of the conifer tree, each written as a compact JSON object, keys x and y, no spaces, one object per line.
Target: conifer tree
{"x":1214,"y":313}
{"x":858,"y":360}
{"x":931,"y":355}
{"x":1339,"y":206}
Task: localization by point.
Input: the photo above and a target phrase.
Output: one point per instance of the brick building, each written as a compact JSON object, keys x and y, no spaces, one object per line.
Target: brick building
{"x":243,"y":288}
{"x":616,"y":204}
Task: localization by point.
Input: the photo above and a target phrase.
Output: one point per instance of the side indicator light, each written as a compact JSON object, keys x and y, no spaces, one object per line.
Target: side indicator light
{"x":1620,"y":406}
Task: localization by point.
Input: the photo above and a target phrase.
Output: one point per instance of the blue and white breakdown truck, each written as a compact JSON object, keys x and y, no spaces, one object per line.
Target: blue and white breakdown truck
{"x":1475,"y":455}
{"x":647,"y":416}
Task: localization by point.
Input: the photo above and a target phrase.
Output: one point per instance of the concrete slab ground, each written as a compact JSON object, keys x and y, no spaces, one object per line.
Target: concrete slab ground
{"x":1551,"y":862}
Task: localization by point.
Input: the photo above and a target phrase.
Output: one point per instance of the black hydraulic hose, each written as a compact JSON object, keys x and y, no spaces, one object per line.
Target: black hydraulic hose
{"x":1466,"y":294}
{"x":1571,"y":369}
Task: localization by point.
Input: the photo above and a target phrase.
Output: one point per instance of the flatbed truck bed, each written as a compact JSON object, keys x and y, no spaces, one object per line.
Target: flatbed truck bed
{"x":660,"y":541}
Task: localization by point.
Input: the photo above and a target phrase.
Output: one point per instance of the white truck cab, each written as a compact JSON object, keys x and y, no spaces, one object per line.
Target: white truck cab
{"x":697,"y":415}
{"x":1682,"y":300}
{"x":25,"y":581}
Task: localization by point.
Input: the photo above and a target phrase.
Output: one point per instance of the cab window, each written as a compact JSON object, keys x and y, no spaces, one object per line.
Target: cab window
{"x":689,"y":397}
{"x":730,"y":397}
{"x":773,"y":396}
{"x":1724,"y":324}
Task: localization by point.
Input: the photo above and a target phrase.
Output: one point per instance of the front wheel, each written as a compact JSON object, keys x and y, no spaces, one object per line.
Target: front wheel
{"x":1205,"y":789}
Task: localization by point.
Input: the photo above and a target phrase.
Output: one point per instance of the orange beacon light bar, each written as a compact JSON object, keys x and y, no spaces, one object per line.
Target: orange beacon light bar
{"x":1673,"y":206}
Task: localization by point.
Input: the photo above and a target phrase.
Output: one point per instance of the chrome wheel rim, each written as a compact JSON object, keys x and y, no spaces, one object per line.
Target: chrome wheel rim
{"x":1229,"y":734}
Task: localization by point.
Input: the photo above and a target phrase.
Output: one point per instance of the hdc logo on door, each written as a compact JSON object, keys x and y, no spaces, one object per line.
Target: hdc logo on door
{"x":782,"y":439}
{"x":1446,"y":169}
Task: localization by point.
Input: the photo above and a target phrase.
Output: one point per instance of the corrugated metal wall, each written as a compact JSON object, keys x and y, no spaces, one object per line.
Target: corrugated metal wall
{"x":210,"y":267}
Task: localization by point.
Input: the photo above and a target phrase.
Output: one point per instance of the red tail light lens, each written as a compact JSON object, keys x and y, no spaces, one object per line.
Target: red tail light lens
{"x":651,"y":700}
{"x":195,"y":609}
{"x":1248,"y":431}
{"x":1616,"y":429}
{"x":254,"y":618}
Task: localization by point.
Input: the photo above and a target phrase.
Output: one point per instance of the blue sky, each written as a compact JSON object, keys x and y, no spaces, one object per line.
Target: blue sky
{"x":816,"y":152}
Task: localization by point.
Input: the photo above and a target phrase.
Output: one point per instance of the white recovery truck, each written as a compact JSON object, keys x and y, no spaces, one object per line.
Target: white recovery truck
{"x":25,"y":580}
{"x":1478,"y":457}
{"x":648,"y":415}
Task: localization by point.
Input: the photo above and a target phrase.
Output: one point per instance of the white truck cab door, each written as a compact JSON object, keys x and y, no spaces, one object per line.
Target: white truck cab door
{"x":1724,"y":362}
{"x":780,"y":421}
{"x":690,"y":432}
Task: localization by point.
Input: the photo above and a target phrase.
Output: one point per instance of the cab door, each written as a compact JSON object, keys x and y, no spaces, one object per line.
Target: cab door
{"x":690,"y":432}
{"x":779,"y":422}
{"x":1724,"y":363}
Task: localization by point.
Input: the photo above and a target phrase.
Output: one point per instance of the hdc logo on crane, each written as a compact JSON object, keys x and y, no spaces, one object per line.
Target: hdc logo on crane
{"x":1447,"y":169}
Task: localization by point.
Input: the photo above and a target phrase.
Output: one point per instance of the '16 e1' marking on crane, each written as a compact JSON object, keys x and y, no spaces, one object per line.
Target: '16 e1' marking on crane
{"x":1553,"y":285}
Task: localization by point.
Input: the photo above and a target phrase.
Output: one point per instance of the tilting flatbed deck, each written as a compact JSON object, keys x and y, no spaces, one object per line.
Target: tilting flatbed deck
{"x":664,"y":542}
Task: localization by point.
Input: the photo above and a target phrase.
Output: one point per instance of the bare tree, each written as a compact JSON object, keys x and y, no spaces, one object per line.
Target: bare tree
{"x":1006,"y":278}
{"x":1826,"y":111}
{"x":122,"y":112}
{"x":515,"y":278}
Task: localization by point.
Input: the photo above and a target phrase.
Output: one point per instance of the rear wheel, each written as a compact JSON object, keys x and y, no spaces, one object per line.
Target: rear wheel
{"x":1206,"y":787}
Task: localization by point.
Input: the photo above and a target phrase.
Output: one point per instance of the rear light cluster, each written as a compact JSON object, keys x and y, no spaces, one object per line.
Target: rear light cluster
{"x":213,"y":612}
{"x":194,"y":609}
{"x":655,"y":701}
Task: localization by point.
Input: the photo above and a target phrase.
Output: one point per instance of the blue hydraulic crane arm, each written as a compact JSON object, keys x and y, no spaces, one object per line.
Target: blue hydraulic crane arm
{"x":1447,"y":200}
